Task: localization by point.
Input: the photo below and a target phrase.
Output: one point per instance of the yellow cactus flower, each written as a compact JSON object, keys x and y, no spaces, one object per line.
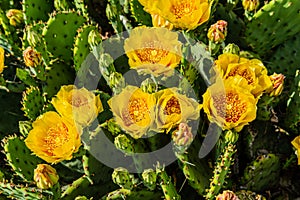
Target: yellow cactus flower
{"x":133,"y":110}
{"x":250,"y":5}
{"x":230,"y":105}
{"x":185,"y":14}
{"x":1,"y":59}
{"x":173,"y":108}
{"x":15,"y":17}
{"x":153,"y":50}
{"x":296,"y":144}
{"x":253,"y":71}
{"x":53,"y":138}
{"x":45,"y":176}
{"x":78,"y":105}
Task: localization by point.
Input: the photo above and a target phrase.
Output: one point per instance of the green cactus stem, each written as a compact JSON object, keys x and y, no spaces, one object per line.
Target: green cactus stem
{"x":167,"y":185}
{"x":221,"y":171}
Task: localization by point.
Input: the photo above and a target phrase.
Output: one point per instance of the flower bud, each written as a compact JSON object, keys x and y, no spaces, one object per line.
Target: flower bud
{"x":121,"y":177}
{"x":45,"y":176}
{"x":277,"y":81}
{"x":116,"y":82}
{"x":227,"y":195}
{"x":149,"y":86}
{"x":182,"y":137}
{"x":159,"y":21}
{"x":94,"y":38}
{"x":149,"y":178}
{"x":232,"y":48}
{"x":123,"y":143}
{"x":32,"y":58}
{"x":250,"y":5}
{"x":33,"y":38}
{"x":217,"y":32}
{"x":231,"y":136}
{"x":15,"y":17}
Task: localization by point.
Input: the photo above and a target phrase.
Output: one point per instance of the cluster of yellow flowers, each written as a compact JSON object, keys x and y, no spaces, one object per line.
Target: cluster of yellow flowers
{"x":138,"y":112}
{"x":238,"y":83}
{"x":184,"y":14}
{"x":56,"y":136}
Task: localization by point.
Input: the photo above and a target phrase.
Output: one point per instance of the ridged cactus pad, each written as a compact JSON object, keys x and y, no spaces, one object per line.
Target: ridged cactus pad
{"x":60,"y":32}
{"x":275,"y":22}
{"x":20,"y":157}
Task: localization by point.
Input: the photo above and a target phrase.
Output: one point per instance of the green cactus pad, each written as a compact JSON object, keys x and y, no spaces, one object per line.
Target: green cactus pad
{"x":293,"y":118}
{"x":20,"y":158}
{"x":60,"y":32}
{"x":262,"y":173}
{"x":138,"y":13}
{"x":121,"y":194}
{"x":274,"y":23}
{"x":286,"y":58}
{"x":62,"y":5}
{"x":13,"y":191}
{"x":35,"y":11}
{"x":33,"y":102}
{"x":10,"y":112}
{"x":59,"y":74}
{"x":81,"y":48}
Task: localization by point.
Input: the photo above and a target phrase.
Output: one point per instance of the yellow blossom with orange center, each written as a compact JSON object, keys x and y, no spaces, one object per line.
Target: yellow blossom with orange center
{"x":185,"y":14}
{"x":253,"y":71}
{"x":1,"y":59}
{"x":53,"y":138}
{"x":174,"y":108}
{"x":230,"y":105}
{"x":78,"y":105}
{"x":296,"y":144}
{"x":133,"y":110}
{"x":153,"y":50}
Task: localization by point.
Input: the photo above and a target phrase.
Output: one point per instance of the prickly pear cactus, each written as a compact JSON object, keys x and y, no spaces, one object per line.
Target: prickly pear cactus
{"x":82,"y":48}
{"x":19,"y":157}
{"x":36,"y":10}
{"x":262,"y":173}
{"x":272,"y":24}
{"x":33,"y":102}
{"x":60,"y":32}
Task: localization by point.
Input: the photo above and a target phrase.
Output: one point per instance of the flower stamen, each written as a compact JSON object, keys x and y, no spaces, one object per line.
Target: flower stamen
{"x":172,"y":106}
{"x":56,"y":137}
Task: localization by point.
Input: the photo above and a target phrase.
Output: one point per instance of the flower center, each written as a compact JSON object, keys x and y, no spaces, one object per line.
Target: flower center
{"x":181,"y":9}
{"x":78,"y":100}
{"x":152,"y":53}
{"x":245,"y":73}
{"x":137,"y":111}
{"x":230,"y":107}
{"x":56,"y":137}
{"x":172,"y":106}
